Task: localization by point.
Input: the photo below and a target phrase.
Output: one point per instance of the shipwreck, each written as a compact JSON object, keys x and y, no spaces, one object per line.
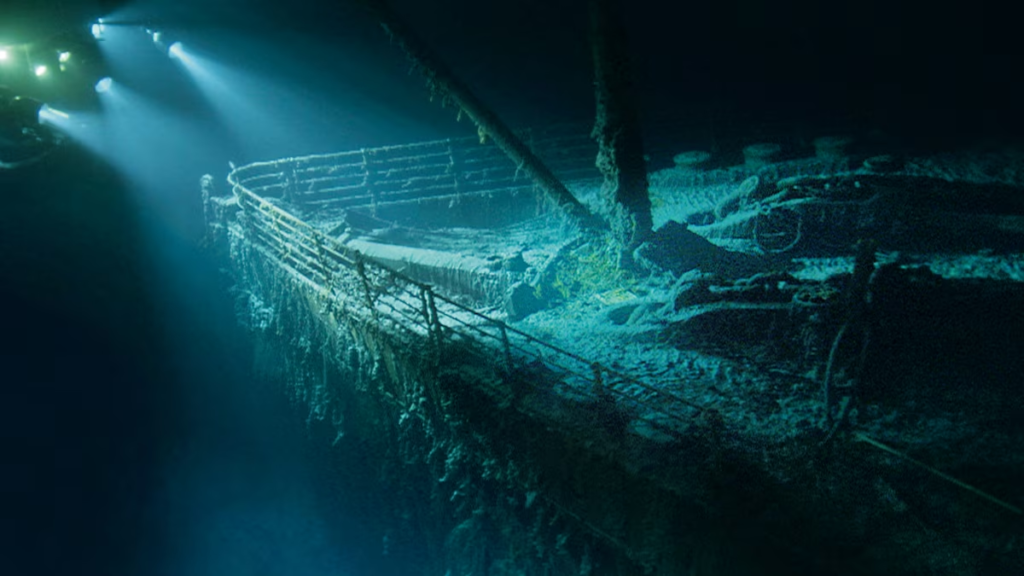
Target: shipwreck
{"x":805,"y":360}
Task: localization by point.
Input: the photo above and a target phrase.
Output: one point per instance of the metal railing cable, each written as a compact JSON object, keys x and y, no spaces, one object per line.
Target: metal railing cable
{"x":440,"y":170}
{"x":371,"y":292}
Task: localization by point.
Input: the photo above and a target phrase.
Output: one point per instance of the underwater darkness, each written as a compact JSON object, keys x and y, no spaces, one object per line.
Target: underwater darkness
{"x":135,"y":440}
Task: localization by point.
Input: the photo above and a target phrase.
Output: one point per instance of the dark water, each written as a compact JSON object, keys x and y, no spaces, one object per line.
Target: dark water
{"x":135,"y":439}
{"x":83,"y":372}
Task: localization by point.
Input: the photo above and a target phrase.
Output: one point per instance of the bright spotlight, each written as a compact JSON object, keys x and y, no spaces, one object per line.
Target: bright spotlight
{"x":158,"y":37}
{"x":5,"y":55}
{"x":176,"y":50}
{"x":41,"y":70}
{"x":104,"y":85}
{"x":64,"y":57}
{"x":56,"y":126}
{"x":52,"y":114}
{"x":97,"y":29}
{"x":54,"y":119}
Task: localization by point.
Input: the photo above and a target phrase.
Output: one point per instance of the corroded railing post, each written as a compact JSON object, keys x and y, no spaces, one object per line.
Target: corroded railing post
{"x":434,"y":325}
{"x":507,"y":347}
{"x":367,"y":291}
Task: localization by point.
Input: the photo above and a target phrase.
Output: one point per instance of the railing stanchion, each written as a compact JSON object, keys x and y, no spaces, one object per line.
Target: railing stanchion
{"x":435,"y":322}
{"x":507,"y":347}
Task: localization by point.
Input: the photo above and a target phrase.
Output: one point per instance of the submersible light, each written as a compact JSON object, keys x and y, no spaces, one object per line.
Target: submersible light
{"x":104,"y":85}
{"x":63,"y":58}
{"x":4,"y":55}
{"x":48,"y":113}
{"x":97,"y":29}
{"x":41,"y":70}
{"x":165,"y":42}
{"x":176,"y":50}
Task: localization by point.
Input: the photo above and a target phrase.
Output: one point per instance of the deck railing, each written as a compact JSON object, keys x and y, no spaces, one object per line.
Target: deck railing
{"x":369,"y":293}
{"x":420,"y":181}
